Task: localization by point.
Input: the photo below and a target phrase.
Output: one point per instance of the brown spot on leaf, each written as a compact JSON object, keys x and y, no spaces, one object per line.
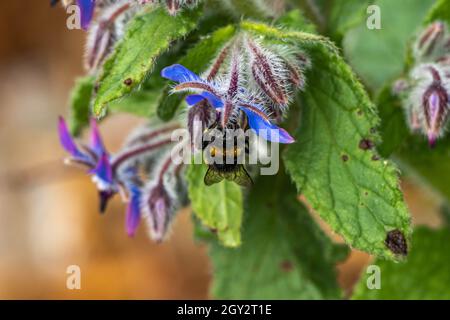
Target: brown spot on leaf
{"x":396,"y":242}
{"x":375,"y":157}
{"x":344,"y":157}
{"x":128,"y":82}
{"x":286,"y":266}
{"x":366,"y":144}
{"x":96,"y":87}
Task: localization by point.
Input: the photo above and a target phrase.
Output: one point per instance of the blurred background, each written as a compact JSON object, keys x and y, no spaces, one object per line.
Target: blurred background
{"x":48,"y":212}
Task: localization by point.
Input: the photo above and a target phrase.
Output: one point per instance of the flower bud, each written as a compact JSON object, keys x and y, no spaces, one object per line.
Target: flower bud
{"x":173,"y":6}
{"x":429,"y":101}
{"x":430,"y":44}
{"x":159,"y":210}
{"x":268,"y":71}
{"x":200,"y":117}
{"x":435,"y":104}
{"x":106,"y":31}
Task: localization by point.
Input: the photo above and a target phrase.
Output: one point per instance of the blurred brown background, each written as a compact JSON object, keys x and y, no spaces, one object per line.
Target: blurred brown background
{"x":48,"y":212}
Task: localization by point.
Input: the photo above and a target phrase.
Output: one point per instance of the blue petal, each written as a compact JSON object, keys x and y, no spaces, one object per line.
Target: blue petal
{"x":86,"y":11}
{"x":103,"y":170}
{"x":96,"y":139}
{"x":133,"y":215}
{"x":264,"y":128}
{"x":67,"y":141}
{"x":213,"y":100}
{"x":180,"y":74}
{"x":193,"y":99}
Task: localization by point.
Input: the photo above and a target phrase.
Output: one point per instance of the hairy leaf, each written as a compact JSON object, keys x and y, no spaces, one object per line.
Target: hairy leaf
{"x":147,"y":36}
{"x":80,"y":100}
{"x":141,"y":103}
{"x":344,"y":15}
{"x":284,"y":254}
{"x":219,"y":207}
{"x":440,"y":11}
{"x":334,"y":162}
{"x":425,"y":276}
{"x":393,"y":127}
{"x":197,"y":59}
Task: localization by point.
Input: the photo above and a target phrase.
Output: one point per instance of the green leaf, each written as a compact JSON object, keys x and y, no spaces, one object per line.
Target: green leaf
{"x":80,"y":100}
{"x":344,"y":15}
{"x":333,"y":162}
{"x":393,"y":127}
{"x":148,"y":36}
{"x":379,"y":55}
{"x":425,"y":276}
{"x":431,"y":165}
{"x":198,"y":60}
{"x":440,"y":11}
{"x":284,"y":254}
{"x":141,"y":103}
{"x":295,"y":21}
{"x":218,"y":207}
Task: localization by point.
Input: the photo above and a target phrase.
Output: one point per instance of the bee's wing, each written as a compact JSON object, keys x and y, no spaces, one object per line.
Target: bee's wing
{"x":212,"y":176}
{"x":240,"y":176}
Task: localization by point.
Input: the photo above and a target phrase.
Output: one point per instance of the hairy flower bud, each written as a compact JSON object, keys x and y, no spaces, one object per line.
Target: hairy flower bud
{"x":268,"y":71}
{"x":200,"y":117}
{"x":430,"y":41}
{"x":159,"y":210}
{"x":160,"y":198}
{"x":429,"y":101}
{"x":108,"y":28}
{"x":435,"y":104}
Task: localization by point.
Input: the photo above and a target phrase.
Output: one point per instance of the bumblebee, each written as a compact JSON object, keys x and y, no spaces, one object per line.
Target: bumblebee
{"x":225,"y":147}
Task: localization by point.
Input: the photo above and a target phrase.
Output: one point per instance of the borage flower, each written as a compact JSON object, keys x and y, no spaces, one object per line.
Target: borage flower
{"x":87,"y":8}
{"x":120,"y":173}
{"x":228,"y":99}
{"x":425,"y":92}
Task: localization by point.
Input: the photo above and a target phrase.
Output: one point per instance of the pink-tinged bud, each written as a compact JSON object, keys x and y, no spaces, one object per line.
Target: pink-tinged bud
{"x":268,"y":71}
{"x":200,"y":117}
{"x":297,"y":67}
{"x":444,"y":60}
{"x":427,"y":105}
{"x":413,"y":119}
{"x":159,"y":209}
{"x":234,"y":83}
{"x":106,"y":31}
{"x":214,"y":70}
{"x":173,"y":6}
{"x":430,"y":43}
{"x":435,"y":104}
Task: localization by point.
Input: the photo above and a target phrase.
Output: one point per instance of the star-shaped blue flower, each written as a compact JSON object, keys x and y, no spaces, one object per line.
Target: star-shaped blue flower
{"x":258,"y":120}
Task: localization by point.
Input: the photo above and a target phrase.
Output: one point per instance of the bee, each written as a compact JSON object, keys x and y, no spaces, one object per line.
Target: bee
{"x":230,"y":151}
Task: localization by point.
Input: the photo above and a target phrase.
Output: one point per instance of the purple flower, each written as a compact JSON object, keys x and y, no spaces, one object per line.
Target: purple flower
{"x":427,"y":105}
{"x":87,"y":12}
{"x":95,"y":157}
{"x":133,"y":214}
{"x":226,"y":100}
{"x":120,"y":172}
{"x":160,"y":211}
